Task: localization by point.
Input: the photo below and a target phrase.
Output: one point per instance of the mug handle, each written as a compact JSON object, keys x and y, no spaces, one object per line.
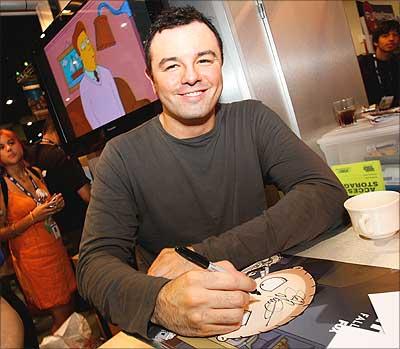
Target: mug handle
{"x":362,"y":222}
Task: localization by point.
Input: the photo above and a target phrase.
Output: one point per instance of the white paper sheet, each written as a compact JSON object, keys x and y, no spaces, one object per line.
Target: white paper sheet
{"x":386,"y":306}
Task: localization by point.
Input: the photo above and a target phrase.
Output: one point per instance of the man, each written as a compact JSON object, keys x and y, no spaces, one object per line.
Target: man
{"x":381,"y":71}
{"x":99,"y":94}
{"x":195,"y":176}
{"x":64,"y":175}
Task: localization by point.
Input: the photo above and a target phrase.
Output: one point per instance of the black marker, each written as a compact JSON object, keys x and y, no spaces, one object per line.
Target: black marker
{"x":202,"y":262}
{"x":198,"y":259}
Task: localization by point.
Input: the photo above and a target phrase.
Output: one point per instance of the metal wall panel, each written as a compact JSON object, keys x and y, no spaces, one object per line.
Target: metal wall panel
{"x":257,"y":56}
{"x":318,"y":60}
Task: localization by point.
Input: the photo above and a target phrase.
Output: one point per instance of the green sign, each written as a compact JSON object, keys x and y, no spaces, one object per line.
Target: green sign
{"x":360,"y":177}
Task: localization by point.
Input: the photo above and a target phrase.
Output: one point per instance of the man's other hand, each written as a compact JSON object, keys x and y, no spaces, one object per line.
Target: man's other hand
{"x":170,"y":265}
{"x":202,"y":303}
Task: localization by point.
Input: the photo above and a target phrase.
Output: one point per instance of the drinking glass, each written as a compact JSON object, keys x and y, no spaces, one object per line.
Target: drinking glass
{"x":345,"y":110}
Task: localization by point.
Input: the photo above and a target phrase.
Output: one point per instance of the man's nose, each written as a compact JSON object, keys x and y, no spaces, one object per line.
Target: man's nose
{"x":190,"y":75}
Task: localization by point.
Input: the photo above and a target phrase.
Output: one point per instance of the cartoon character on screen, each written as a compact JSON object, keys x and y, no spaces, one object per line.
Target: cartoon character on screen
{"x":99,"y":94}
{"x":283,"y":295}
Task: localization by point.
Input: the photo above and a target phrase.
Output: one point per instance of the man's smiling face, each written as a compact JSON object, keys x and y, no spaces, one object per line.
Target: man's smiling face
{"x":187,"y":71}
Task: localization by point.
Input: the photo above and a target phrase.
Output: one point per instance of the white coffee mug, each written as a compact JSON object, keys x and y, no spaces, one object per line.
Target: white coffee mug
{"x":374,"y":215}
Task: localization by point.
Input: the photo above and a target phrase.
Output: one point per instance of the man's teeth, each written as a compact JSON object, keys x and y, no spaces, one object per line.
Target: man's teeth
{"x":193,"y":94}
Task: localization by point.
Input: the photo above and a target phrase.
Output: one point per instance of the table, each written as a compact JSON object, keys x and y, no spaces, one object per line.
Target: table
{"x":349,"y":247}
{"x":343,"y":246}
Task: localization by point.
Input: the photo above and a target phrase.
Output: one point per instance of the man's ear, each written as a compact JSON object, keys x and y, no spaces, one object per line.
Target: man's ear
{"x":149,"y":76}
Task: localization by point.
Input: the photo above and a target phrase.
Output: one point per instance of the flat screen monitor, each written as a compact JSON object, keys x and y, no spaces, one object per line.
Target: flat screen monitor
{"x":91,"y":64}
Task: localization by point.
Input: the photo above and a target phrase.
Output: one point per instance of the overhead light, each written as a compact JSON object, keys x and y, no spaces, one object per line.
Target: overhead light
{"x":40,"y":134}
{"x":26,"y":64}
{"x":123,"y":25}
{"x":29,"y":123}
{"x":17,"y":73}
{"x":9,"y":101}
{"x":43,"y":35}
{"x":31,"y":141}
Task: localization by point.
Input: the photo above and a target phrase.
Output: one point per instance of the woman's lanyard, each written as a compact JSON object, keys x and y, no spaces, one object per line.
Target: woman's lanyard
{"x":41,"y":194}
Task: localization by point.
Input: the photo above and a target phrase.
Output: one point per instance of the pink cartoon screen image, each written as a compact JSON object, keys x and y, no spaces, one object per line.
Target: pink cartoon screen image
{"x":98,"y":63}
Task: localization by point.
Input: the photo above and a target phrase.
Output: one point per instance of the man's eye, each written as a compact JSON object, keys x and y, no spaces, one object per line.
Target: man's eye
{"x":171,"y":67}
{"x":205,"y":61}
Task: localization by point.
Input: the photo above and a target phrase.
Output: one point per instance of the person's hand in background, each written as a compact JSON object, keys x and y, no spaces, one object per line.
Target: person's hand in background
{"x":50,"y":207}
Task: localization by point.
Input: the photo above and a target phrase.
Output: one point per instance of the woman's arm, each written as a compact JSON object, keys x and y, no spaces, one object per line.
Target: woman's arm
{"x":39,"y":213}
{"x":9,"y":231}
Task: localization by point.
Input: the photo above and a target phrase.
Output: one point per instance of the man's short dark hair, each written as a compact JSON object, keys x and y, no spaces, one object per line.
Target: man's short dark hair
{"x":384,"y":28}
{"x":175,"y":17}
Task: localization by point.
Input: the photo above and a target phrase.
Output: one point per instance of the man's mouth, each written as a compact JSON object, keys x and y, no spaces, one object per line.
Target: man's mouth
{"x":193,"y":93}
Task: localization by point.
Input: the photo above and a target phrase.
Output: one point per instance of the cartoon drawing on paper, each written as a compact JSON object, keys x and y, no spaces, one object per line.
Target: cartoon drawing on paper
{"x":283,"y":295}
{"x":261,"y":268}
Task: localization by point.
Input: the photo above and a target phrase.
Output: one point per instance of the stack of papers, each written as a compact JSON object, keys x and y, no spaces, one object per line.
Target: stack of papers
{"x":386,"y":306}
{"x":383,"y":115}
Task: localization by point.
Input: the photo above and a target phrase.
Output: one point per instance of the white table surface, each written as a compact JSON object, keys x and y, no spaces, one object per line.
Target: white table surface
{"x":350,"y":247}
{"x":346,"y":246}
